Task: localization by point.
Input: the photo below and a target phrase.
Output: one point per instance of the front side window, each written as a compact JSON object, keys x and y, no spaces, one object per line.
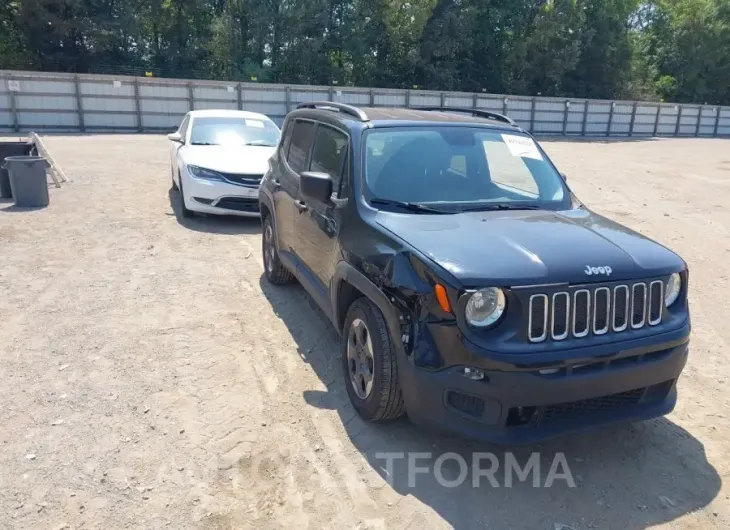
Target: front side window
{"x":456,"y":168}
{"x":234,"y":132}
{"x":301,"y":140}
{"x":329,"y":154}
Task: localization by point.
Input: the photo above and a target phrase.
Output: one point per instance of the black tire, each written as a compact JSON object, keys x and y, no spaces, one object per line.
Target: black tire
{"x":274,"y":270}
{"x":385,"y":399}
{"x":172,"y":177}
{"x":184,"y":209}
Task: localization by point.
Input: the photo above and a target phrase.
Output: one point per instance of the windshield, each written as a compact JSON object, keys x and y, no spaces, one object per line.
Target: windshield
{"x":234,"y":131}
{"x":460,"y":168}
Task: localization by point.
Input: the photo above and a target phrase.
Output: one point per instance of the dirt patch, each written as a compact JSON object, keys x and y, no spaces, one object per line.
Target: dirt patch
{"x":152,"y":379}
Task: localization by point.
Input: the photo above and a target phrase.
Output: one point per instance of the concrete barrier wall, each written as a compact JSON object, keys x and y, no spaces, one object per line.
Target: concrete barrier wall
{"x":53,"y":102}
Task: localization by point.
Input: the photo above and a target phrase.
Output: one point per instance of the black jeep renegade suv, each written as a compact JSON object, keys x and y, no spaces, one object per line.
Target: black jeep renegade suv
{"x":471,"y":288}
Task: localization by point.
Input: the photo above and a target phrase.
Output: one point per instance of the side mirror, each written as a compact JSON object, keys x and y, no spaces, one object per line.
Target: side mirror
{"x":565,"y":177}
{"x":175,"y":137}
{"x":315,"y":186}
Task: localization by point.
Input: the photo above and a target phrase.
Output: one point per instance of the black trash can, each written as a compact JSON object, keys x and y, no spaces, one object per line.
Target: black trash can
{"x":28,"y":180}
{"x":10,"y":149}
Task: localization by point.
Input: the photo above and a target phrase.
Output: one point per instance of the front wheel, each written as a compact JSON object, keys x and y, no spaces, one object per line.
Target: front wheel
{"x":184,"y":209}
{"x":369,"y":363}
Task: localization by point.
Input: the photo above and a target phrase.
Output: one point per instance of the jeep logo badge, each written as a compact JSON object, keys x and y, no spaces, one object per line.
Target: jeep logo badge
{"x":590,"y":271}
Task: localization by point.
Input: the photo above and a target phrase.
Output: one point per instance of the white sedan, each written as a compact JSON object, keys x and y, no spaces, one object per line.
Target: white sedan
{"x":218,"y":158}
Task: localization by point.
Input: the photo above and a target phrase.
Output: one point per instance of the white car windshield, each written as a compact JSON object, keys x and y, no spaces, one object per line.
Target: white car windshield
{"x":458,"y":168}
{"x":234,"y":131}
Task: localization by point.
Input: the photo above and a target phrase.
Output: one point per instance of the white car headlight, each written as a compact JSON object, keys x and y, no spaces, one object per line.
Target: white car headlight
{"x":485,"y":307}
{"x":674,"y":286}
{"x":204,"y":174}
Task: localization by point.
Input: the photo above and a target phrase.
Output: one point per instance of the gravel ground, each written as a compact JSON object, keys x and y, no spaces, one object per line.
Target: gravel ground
{"x":152,"y":379}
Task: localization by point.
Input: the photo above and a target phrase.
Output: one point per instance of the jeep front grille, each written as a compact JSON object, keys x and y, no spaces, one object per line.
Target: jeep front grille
{"x":598,"y":310}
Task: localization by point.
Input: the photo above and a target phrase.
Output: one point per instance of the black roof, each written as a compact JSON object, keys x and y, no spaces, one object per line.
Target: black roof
{"x":424,"y":114}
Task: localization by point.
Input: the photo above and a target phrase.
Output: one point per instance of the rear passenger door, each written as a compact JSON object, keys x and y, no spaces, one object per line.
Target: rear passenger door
{"x":318,"y":224}
{"x":286,"y":183}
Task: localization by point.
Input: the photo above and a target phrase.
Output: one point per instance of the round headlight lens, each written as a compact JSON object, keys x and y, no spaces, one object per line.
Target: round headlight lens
{"x":485,"y":307}
{"x":674,"y":285}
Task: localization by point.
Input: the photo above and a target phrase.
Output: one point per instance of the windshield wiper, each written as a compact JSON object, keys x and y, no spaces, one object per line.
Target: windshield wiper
{"x":202,"y":143}
{"x":501,"y":206}
{"x":411,"y":206}
{"x":260,"y":143}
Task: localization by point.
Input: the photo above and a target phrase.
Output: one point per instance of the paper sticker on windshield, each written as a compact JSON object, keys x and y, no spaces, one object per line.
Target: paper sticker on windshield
{"x":255,"y":123}
{"x":522,"y":146}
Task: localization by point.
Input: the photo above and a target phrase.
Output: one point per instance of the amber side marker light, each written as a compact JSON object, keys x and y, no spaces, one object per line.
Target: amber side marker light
{"x":442,"y":298}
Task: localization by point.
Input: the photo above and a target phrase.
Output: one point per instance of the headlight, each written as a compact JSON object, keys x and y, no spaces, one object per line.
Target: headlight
{"x":674,"y":285}
{"x":205,"y":174}
{"x":485,"y":307}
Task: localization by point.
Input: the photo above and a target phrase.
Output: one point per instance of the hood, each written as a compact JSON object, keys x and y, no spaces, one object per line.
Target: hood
{"x":246,"y":159}
{"x":510,"y":248}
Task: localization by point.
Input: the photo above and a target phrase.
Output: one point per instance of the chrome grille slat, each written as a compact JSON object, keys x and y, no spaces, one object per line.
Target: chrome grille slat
{"x":587,"y":329}
{"x":596,"y":308}
{"x":564,"y":335}
{"x":622,"y":299}
{"x":650,"y":304}
{"x":634,"y":290}
{"x":579,"y":312}
{"x":542,"y":336}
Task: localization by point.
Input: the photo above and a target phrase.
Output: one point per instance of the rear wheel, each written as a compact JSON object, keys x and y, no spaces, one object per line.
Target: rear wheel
{"x":369,"y":363}
{"x":275,"y":272}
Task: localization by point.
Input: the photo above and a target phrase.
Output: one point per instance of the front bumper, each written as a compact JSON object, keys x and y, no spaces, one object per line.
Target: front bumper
{"x":527,"y":405}
{"x":220,"y":197}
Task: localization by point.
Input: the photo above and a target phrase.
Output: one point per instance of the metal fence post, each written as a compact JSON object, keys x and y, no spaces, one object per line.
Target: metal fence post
{"x":633,"y":119}
{"x":717,"y":121}
{"x":137,"y":104}
{"x":79,"y":104}
{"x":699,"y":119}
{"x":331,"y":93}
{"x":656,"y":119}
{"x":504,"y":106}
{"x":443,"y":100}
{"x":532,"y":114}
{"x":191,"y":96}
{"x":239,"y":89}
{"x":679,"y":119}
{"x":372,"y":97}
{"x":408,"y":98}
{"x":287,"y":98}
{"x":610,"y":118}
{"x":585,"y":117}
{"x":14,"y":106}
{"x":566,"y":108}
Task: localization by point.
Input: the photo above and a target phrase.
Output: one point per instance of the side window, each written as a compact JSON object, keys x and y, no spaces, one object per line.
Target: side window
{"x":301,"y":139}
{"x":184,"y":127}
{"x":330,"y":152}
{"x":286,"y":138}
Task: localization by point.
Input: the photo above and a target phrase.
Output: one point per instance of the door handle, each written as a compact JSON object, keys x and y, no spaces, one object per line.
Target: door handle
{"x":301,"y":206}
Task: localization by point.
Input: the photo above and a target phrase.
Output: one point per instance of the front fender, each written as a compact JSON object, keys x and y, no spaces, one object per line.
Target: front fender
{"x":346,"y":273}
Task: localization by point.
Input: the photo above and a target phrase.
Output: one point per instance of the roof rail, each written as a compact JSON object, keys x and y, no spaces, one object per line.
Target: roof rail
{"x":340,"y":107}
{"x":479,"y":113}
